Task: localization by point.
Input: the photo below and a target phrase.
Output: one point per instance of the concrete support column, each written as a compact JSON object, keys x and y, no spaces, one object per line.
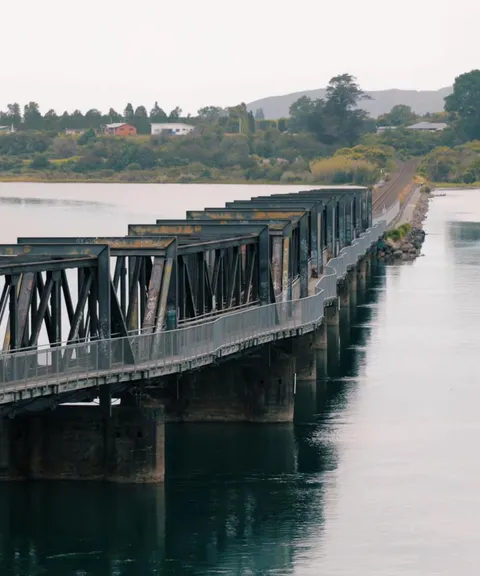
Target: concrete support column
{"x":362,"y":275}
{"x":256,"y":387}
{"x":344,"y":297}
{"x":77,"y":443}
{"x":332,"y":317}
{"x":320,"y":344}
{"x":306,"y":377}
{"x":352,"y":285}
{"x":305,"y":361}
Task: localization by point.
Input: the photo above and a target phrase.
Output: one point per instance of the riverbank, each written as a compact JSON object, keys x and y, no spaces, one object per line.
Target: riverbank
{"x":134,"y":179}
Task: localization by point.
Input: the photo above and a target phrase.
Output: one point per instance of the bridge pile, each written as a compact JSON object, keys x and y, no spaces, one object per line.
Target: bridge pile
{"x":173,"y":273}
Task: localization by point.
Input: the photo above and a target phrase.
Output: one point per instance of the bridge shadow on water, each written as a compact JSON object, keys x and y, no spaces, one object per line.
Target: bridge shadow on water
{"x":238,"y":499}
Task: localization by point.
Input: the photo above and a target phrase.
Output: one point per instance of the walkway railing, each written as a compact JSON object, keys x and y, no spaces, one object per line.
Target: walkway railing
{"x":177,"y":350}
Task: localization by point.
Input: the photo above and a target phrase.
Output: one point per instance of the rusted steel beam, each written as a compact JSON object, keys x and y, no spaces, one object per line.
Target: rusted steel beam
{"x":285,"y":202}
{"x":214,"y":237}
{"x":10,"y":265}
{"x":119,"y":246}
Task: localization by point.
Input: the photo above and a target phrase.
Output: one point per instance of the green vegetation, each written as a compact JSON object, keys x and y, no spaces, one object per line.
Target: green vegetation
{"x":326,"y":140}
{"x":398,"y":234}
{"x":227,"y":144}
{"x":460,"y":164}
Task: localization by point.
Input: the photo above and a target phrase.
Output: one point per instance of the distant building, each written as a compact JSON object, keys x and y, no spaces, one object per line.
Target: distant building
{"x":382,"y":129}
{"x":75,"y":131}
{"x":6,"y":129}
{"x":428,"y":126}
{"x":120,"y":129}
{"x":175,"y":129}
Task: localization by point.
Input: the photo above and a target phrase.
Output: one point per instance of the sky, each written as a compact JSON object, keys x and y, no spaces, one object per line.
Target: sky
{"x":191,"y":53}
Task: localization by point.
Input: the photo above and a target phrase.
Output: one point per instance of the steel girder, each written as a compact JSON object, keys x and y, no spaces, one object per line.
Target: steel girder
{"x":296,"y":245}
{"x":222,"y":268}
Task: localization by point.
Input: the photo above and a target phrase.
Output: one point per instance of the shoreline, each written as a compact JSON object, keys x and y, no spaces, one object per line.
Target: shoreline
{"x":405,"y":242}
{"x":4,"y":180}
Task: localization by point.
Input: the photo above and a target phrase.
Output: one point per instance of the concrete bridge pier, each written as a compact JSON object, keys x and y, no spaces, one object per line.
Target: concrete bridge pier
{"x":352,"y":284}
{"x":305,"y":358}
{"x":332,"y":319}
{"x":344,"y":299}
{"x":320,"y":344}
{"x":304,"y":348}
{"x":77,"y":442}
{"x":255,"y":387}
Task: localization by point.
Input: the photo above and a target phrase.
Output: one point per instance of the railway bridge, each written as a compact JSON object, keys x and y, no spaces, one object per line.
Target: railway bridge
{"x":212,"y":318}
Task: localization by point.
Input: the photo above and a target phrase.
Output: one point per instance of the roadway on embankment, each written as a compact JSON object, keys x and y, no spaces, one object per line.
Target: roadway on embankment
{"x":384,"y":197}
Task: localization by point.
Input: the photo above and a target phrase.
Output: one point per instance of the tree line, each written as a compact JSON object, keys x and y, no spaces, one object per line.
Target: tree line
{"x":33,"y":119}
{"x":234,"y":144}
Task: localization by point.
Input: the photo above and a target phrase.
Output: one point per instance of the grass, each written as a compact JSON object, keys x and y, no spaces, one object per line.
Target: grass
{"x":398,"y":234}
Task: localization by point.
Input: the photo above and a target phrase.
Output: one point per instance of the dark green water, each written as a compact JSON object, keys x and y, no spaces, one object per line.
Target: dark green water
{"x":378,"y":475}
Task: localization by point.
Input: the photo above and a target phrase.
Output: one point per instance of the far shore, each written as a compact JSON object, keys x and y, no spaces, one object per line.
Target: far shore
{"x":21,"y":179}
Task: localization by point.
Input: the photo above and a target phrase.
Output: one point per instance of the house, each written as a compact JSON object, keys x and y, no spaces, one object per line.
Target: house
{"x":428,"y":126}
{"x":175,"y":129}
{"x":120,"y":129}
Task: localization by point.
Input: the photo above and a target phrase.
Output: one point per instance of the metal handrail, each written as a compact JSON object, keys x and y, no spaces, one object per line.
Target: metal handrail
{"x":185,"y":346}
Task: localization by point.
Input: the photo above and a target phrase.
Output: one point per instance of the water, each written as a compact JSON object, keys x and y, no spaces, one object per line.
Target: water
{"x":379,"y":474}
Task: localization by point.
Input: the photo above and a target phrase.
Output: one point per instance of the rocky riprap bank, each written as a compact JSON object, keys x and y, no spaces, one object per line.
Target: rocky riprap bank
{"x":408,"y":247}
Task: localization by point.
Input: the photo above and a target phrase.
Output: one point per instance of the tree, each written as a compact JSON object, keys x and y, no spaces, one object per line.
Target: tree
{"x":465,"y":103}
{"x":32,"y":119}
{"x":51,"y":120}
{"x":175,"y":113}
{"x":346,"y":122}
{"x":259,"y":115}
{"x":39,"y":162}
{"x":300,"y":112}
{"x":63,"y":147}
{"x":113,"y":116}
{"x":157,"y":114}
{"x":93,"y":118}
{"x":140,"y":120}
{"x":128,"y":113}
{"x":77,"y":120}
{"x":211,"y":113}
{"x":14,"y":114}
{"x":399,"y":115}
{"x":87,"y":137}
{"x":343,"y":93}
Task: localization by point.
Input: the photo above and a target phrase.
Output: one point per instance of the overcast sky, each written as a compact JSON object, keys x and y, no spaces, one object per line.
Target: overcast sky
{"x":102,"y":53}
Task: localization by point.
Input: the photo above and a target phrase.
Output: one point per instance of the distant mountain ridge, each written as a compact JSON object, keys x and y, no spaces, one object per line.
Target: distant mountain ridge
{"x":421,"y":101}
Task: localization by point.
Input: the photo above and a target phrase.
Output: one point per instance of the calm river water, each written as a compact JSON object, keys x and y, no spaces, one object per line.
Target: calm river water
{"x":379,"y":474}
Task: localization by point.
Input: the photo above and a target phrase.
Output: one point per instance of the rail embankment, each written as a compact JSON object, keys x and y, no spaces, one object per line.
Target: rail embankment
{"x":405,"y":241}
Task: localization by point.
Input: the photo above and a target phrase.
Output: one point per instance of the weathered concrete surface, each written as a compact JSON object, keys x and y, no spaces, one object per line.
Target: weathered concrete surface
{"x":362,"y":274}
{"x":78,"y":443}
{"x":305,"y":357}
{"x":332,"y":318}
{"x":257,"y":387}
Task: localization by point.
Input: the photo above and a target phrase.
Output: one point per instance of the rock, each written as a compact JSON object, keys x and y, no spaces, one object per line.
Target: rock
{"x":398,"y":254}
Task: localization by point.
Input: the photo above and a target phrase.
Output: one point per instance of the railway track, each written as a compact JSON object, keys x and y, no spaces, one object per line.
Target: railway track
{"x":392,"y":190}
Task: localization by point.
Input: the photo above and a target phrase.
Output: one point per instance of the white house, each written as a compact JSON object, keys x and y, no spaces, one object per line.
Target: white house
{"x":176,"y":129}
{"x":428,"y":126}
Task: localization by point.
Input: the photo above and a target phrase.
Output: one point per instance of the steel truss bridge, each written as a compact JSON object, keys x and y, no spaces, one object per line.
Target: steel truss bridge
{"x":80,"y":313}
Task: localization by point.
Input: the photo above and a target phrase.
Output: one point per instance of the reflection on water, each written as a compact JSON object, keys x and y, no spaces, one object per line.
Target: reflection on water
{"x":51,"y":202}
{"x":378,"y":475}
{"x":238,"y":499}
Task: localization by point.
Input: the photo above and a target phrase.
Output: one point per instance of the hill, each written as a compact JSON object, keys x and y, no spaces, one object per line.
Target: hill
{"x":421,"y":101}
